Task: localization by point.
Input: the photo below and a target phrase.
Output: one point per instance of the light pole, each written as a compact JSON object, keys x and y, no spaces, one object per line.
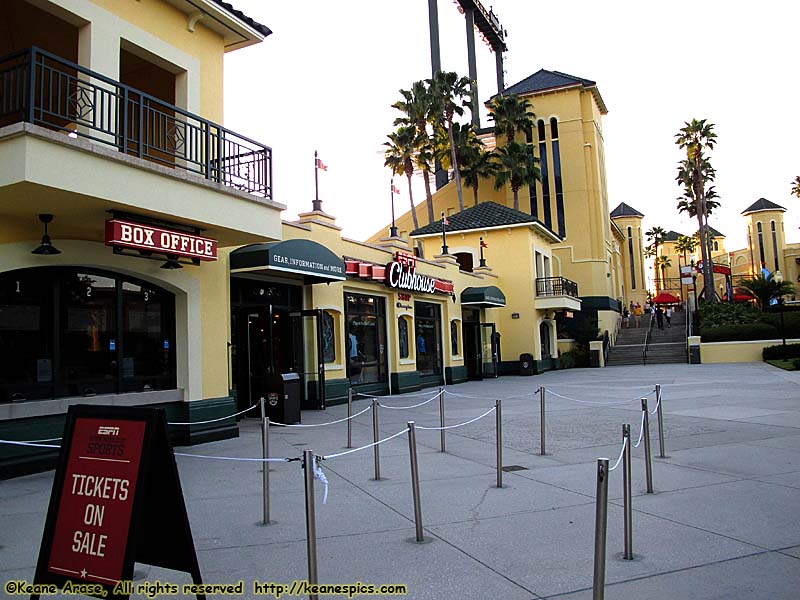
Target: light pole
{"x":778,"y":277}
{"x":694,"y":285}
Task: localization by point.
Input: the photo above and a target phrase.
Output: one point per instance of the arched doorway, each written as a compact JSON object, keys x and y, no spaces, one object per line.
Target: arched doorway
{"x":544,"y":339}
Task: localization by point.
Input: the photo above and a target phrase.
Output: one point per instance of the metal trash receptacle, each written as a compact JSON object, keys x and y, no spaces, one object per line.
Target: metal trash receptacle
{"x":292,"y":397}
{"x":526,"y":364}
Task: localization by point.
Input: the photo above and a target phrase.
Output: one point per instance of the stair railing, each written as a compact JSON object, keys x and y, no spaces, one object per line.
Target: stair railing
{"x":647,"y":338}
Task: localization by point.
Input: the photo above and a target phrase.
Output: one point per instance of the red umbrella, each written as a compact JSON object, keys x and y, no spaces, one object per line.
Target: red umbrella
{"x":665,"y":298}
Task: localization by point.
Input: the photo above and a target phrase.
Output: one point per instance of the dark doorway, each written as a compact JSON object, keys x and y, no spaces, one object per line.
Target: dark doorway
{"x":471,"y":332}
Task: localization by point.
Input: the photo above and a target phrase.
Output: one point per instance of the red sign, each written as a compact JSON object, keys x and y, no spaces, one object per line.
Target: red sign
{"x":721,"y":269}
{"x":154,"y":239}
{"x":94,"y":515}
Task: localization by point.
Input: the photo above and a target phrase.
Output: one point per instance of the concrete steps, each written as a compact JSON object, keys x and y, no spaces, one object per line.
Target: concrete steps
{"x":666,"y":346}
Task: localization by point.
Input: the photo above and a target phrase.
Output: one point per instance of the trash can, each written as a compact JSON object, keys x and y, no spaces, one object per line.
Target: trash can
{"x":292,"y":397}
{"x":526,"y":364}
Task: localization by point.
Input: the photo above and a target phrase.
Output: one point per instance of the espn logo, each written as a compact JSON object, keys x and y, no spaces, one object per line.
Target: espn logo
{"x":107,"y":430}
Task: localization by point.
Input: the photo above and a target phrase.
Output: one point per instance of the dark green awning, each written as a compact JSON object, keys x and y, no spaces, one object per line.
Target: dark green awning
{"x":484,"y":297}
{"x":313,"y":261}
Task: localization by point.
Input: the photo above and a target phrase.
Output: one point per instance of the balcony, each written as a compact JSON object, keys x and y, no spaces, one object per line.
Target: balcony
{"x":42,"y":89}
{"x":557,"y":293}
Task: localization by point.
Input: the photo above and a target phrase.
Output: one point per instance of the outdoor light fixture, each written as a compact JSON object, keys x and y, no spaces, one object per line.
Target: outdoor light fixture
{"x":172,"y":263}
{"x":46,"y":247}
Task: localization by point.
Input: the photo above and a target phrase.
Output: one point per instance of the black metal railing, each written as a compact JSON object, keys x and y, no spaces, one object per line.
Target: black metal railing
{"x":556,"y":286}
{"x":41,"y":88}
{"x":647,"y":337}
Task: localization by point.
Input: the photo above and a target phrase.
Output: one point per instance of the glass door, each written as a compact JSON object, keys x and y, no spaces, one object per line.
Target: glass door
{"x":489,"y":349}
{"x":255,"y":364}
{"x":473,"y":357}
{"x":307,"y":357}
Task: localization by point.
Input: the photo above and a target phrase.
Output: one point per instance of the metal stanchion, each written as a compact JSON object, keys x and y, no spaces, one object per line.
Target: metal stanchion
{"x":660,"y":422}
{"x":441,"y":416}
{"x":626,"y":490}
{"x":648,"y":461}
{"x":542,"y":392}
{"x":375,"y":449}
{"x":412,"y":453}
{"x":498,"y":416}
{"x":265,"y":452}
{"x":311,"y":524}
{"x":349,"y":417}
{"x":600,"y":523}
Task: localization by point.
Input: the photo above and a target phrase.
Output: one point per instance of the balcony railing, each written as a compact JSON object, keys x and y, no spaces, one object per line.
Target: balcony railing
{"x":556,"y":286}
{"x":41,"y":88}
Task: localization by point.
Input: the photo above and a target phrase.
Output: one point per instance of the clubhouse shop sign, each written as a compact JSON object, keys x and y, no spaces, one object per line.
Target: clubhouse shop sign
{"x":400,"y":274}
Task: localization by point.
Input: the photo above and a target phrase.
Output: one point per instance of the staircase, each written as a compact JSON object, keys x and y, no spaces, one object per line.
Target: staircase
{"x":666,"y":345}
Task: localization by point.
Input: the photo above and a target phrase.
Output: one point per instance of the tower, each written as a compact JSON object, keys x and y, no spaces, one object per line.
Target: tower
{"x":629,"y":221}
{"x":766,"y":238}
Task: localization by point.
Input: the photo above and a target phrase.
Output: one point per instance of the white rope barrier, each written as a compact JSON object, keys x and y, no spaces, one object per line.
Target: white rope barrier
{"x":551,"y":392}
{"x":215,"y":420}
{"x":235,"y":458}
{"x":379,"y":442}
{"x":407,"y":407}
{"x":319,"y":474}
{"x":320,"y":424}
{"x":621,"y":452}
{"x":641,"y":432}
{"x":464,"y":396}
{"x":655,"y":410}
{"x":371,"y":397}
{"x":491,"y":410}
{"x":33,"y":444}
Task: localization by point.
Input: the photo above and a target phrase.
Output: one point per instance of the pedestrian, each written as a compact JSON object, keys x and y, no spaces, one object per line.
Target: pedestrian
{"x":625,"y":316}
{"x":668,"y":316}
{"x":660,"y":318}
{"x":637,"y":314}
{"x":632,"y":306}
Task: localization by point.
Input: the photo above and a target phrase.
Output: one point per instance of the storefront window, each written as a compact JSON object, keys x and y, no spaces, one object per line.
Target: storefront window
{"x":365,"y":340}
{"x":454,"y":337}
{"x":402,"y":336}
{"x":427,"y":334}
{"x":328,"y":338}
{"x":62,"y":334}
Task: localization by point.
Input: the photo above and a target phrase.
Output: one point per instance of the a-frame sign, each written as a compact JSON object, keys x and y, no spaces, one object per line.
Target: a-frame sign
{"x":116,"y":500}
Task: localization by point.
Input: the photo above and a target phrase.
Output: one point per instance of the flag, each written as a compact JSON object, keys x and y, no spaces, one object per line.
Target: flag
{"x":483,"y":244}
{"x":395,"y":190}
{"x":320,"y":165}
{"x":444,"y":220}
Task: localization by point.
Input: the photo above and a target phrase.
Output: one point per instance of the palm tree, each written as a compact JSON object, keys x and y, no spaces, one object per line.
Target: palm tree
{"x":766,"y":288}
{"x":516,"y":165}
{"x":400,"y":153}
{"x":695,"y":173}
{"x":796,"y":186}
{"x":510,"y":114}
{"x":476,"y":165}
{"x":662,"y":264}
{"x":686,"y":244}
{"x":450,"y":95}
{"x":655,"y":235}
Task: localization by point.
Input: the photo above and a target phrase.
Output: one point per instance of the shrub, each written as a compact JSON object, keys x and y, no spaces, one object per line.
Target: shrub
{"x":777,"y":352}
{"x":739,"y":333}
{"x":791,"y":322}
{"x":726,"y":313}
{"x":796,"y":364}
{"x":567,"y":359}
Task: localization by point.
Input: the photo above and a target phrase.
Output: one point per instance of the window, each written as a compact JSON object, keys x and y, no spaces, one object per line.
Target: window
{"x":532,"y":188}
{"x":774,"y":245}
{"x":632,"y":261}
{"x":427,"y":336}
{"x":548,"y":218}
{"x":761,"y":243}
{"x":79,"y":332}
{"x":454,"y":337}
{"x":465,"y":261}
{"x":562,"y":228}
{"x":365,"y":340}
{"x":328,"y":337}
{"x":402,"y":336}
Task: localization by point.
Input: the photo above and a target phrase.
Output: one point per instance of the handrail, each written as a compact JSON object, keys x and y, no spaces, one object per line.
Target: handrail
{"x":647,"y":339}
{"x":556,"y":286}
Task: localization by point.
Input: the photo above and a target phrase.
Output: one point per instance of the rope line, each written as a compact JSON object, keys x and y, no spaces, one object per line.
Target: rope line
{"x":656,"y":408}
{"x":455,"y":426}
{"x":466,"y":396}
{"x":551,"y":392}
{"x":641,"y":432}
{"x":33,"y":444}
{"x":416,"y":394}
{"x":407,"y":407}
{"x":621,"y":452}
{"x":215,"y":420}
{"x":321,"y":424}
{"x":234,"y":458}
{"x":391,"y":437}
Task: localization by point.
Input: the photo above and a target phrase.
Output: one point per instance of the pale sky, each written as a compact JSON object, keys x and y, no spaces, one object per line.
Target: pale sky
{"x":327,"y":76}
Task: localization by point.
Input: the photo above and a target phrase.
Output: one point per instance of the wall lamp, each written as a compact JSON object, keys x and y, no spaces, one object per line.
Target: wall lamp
{"x":46,"y":247}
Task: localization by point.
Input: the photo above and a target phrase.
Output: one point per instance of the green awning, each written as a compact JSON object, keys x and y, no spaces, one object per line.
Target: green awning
{"x":484,"y":297}
{"x":312,"y":261}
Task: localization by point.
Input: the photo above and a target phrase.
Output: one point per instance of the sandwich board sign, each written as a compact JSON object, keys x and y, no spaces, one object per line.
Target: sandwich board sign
{"x":116,"y":500}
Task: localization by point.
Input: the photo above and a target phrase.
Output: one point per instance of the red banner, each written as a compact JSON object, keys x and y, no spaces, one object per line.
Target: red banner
{"x":94,"y":515}
{"x":154,"y":239}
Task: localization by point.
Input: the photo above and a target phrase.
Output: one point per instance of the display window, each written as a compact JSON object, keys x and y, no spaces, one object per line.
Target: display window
{"x":428,"y":338}
{"x":365,"y":338}
{"x":83,"y":332}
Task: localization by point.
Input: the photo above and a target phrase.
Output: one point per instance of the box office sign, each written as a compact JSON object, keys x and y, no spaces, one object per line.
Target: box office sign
{"x":139,"y":236}
{"x":116,"y":500}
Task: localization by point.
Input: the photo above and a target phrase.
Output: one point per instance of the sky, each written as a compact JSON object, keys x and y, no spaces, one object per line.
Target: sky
{"x":327,"y":76}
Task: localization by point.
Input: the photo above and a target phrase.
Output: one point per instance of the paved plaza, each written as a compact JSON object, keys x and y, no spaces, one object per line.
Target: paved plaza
{"x":724,"y":521}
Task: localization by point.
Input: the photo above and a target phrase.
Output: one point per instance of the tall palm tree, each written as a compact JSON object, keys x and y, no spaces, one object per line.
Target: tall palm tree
{"x":450,"y":95}
{"x":400,"y":153}
{"x":686,"y":244}
{"x":796,"y":186}
{"x":695,"y":174}
{"x":766,"y":288}
{"x":516,"y":165}
{"x":662,"y":264}
{"x":477,"y":164}
{"x":510,"y":115}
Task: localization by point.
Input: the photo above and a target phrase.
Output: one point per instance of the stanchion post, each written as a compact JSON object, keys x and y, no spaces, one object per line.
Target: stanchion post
{"x":265,"y":453}
{"x":648,"y":459}
{"x":498,"y":416}
{"x":412,"y":453}
{"x":542,"y":393}
{"x":600,"y":523}
{"x":441,"y":417}
{"x":311,"y":523}
{"x":660,"y":422}
{"x":376,"y":448}
{"x":626,"y":490}
{"x":349,"y":417}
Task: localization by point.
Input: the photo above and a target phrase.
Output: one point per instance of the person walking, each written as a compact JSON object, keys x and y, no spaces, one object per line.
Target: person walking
{"x":625,"y":316}
{"x":668,"y":316}
{"x":637,"y":314}
{"x":660,"y":318}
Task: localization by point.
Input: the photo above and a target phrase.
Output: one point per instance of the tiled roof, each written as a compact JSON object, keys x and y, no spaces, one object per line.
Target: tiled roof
{"x":544,"y":80}
{"x":483,"y":216}
{"x":672,"y":236}
{"x":624,"y":210}
{"x":262,"y":29}
{"x":714,"y":233}
{"x":762,"y":204}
